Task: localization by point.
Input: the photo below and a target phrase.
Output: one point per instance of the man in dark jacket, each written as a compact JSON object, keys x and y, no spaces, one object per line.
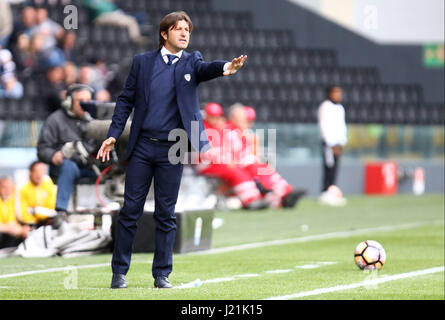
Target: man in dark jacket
{"x":61,"y":129}
{"x":162,"y":90}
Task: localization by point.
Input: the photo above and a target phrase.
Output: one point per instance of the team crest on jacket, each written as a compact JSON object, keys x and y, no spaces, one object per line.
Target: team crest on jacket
{"x":187,"y":77}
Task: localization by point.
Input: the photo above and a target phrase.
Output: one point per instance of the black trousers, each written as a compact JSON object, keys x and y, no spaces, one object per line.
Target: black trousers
{"x":149,"y":161}
{"x":330,"y":166}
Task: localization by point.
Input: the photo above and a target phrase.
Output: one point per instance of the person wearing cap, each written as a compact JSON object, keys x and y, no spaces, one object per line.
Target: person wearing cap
{"x":250,"y":115}
{"x":214,"y":116}
{"x":220,"y":165}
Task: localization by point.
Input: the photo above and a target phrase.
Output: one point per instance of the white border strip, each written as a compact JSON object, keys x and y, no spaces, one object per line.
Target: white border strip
{"x":359,"y":284}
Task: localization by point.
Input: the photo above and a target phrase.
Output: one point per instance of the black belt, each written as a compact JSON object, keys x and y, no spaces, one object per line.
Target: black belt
{"x":147,"y":135}
{"x":159,"y":140}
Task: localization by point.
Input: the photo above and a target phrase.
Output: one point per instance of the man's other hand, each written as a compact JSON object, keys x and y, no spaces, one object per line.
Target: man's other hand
{"x":57,"y":158}
{"x":337,"y":150}
{"x":105,"y":149}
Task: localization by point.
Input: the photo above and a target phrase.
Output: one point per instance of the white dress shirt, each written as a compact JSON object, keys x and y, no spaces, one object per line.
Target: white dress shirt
{"x":332,"y":124}
{"x":165,"y":52}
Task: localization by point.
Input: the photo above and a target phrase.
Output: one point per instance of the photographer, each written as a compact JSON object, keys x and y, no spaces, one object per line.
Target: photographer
{"x":62,"y":145}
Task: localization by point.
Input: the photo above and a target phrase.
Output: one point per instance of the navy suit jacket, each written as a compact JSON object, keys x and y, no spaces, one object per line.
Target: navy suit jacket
{"x":190,"y":70}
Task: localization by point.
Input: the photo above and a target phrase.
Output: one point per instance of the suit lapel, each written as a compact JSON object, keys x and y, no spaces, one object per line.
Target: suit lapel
{"x":149,"y":62}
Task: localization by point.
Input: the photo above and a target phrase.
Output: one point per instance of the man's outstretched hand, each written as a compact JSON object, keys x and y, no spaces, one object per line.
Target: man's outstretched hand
{"x":235,"y":65}
{"x":105,"y":149}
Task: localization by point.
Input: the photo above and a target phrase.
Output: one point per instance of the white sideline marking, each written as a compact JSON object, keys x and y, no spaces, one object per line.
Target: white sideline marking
{"x":25,"y":273}
{"x":248,"y":275}
{"x":373,"y":282}
{"x":278,"y":271}
{"x":199,"y":282}
{"x":308,"y":266}
{"x":219,"y":280}
{"x":323,"y":236}
{"x":315,"y":265}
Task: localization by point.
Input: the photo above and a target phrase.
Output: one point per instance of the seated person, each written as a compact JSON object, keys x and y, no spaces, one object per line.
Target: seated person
{"x":63,"y":126}
{"x":37,"y":196}
{"x":237,"y":178}
{"x":11,"y":232}
{"x":275,"y":188}
{"x":107,"y":13}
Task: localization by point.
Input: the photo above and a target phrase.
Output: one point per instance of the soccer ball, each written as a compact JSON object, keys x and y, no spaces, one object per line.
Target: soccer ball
{"x":370,"y":255}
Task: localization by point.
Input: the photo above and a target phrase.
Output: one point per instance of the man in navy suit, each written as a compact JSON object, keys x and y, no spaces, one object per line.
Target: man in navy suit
{"x":162,"y":90}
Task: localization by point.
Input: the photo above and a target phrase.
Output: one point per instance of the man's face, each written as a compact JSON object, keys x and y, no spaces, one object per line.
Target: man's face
{"x":78,"y":97}
{"x":6,"y":188}
{"x":178,"y":37}
{"x":55,"y":75}
{"x":38,"y":173}
{"x":239,"y":119}
{"x":218,"y":122}
{"x":336,"y":95}
{"x":41,"y":15}
{"x":70,"y":73}
{"x":29,"y":17}
{"x":84,"y":74}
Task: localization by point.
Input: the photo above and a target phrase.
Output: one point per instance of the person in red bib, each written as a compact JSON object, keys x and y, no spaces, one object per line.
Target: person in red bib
{"x":219,"y":165}
{"x":275,"y":189}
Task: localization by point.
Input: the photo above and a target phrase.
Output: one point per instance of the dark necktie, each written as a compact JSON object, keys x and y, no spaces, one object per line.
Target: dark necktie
{"x":171,"y":57}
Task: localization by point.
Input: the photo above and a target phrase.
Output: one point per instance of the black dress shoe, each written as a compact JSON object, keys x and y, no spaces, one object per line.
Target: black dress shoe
{"x":162,"y":283}
{"x":291,"y":199}
{"x":263,"y":189}
{"x":118,"y":281}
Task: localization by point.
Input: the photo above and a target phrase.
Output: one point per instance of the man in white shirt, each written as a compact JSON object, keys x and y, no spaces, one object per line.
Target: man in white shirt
{"x":333,"y":132}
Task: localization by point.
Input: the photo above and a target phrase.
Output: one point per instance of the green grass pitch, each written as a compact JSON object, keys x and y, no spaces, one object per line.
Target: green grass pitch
{"x":318,"y":256}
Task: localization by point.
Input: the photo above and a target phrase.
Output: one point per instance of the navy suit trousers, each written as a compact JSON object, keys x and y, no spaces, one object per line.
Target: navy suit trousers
{"x":148,"y":161}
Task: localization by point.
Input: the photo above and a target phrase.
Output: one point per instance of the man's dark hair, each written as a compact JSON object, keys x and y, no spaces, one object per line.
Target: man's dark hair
{"x":170,"y":21}
{"x":78,"y":87}
{"x":330,"y":89}
{"x":33,"y":164}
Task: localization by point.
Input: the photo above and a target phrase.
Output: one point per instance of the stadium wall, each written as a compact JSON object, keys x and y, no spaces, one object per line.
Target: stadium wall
{"x":351,"y":176}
